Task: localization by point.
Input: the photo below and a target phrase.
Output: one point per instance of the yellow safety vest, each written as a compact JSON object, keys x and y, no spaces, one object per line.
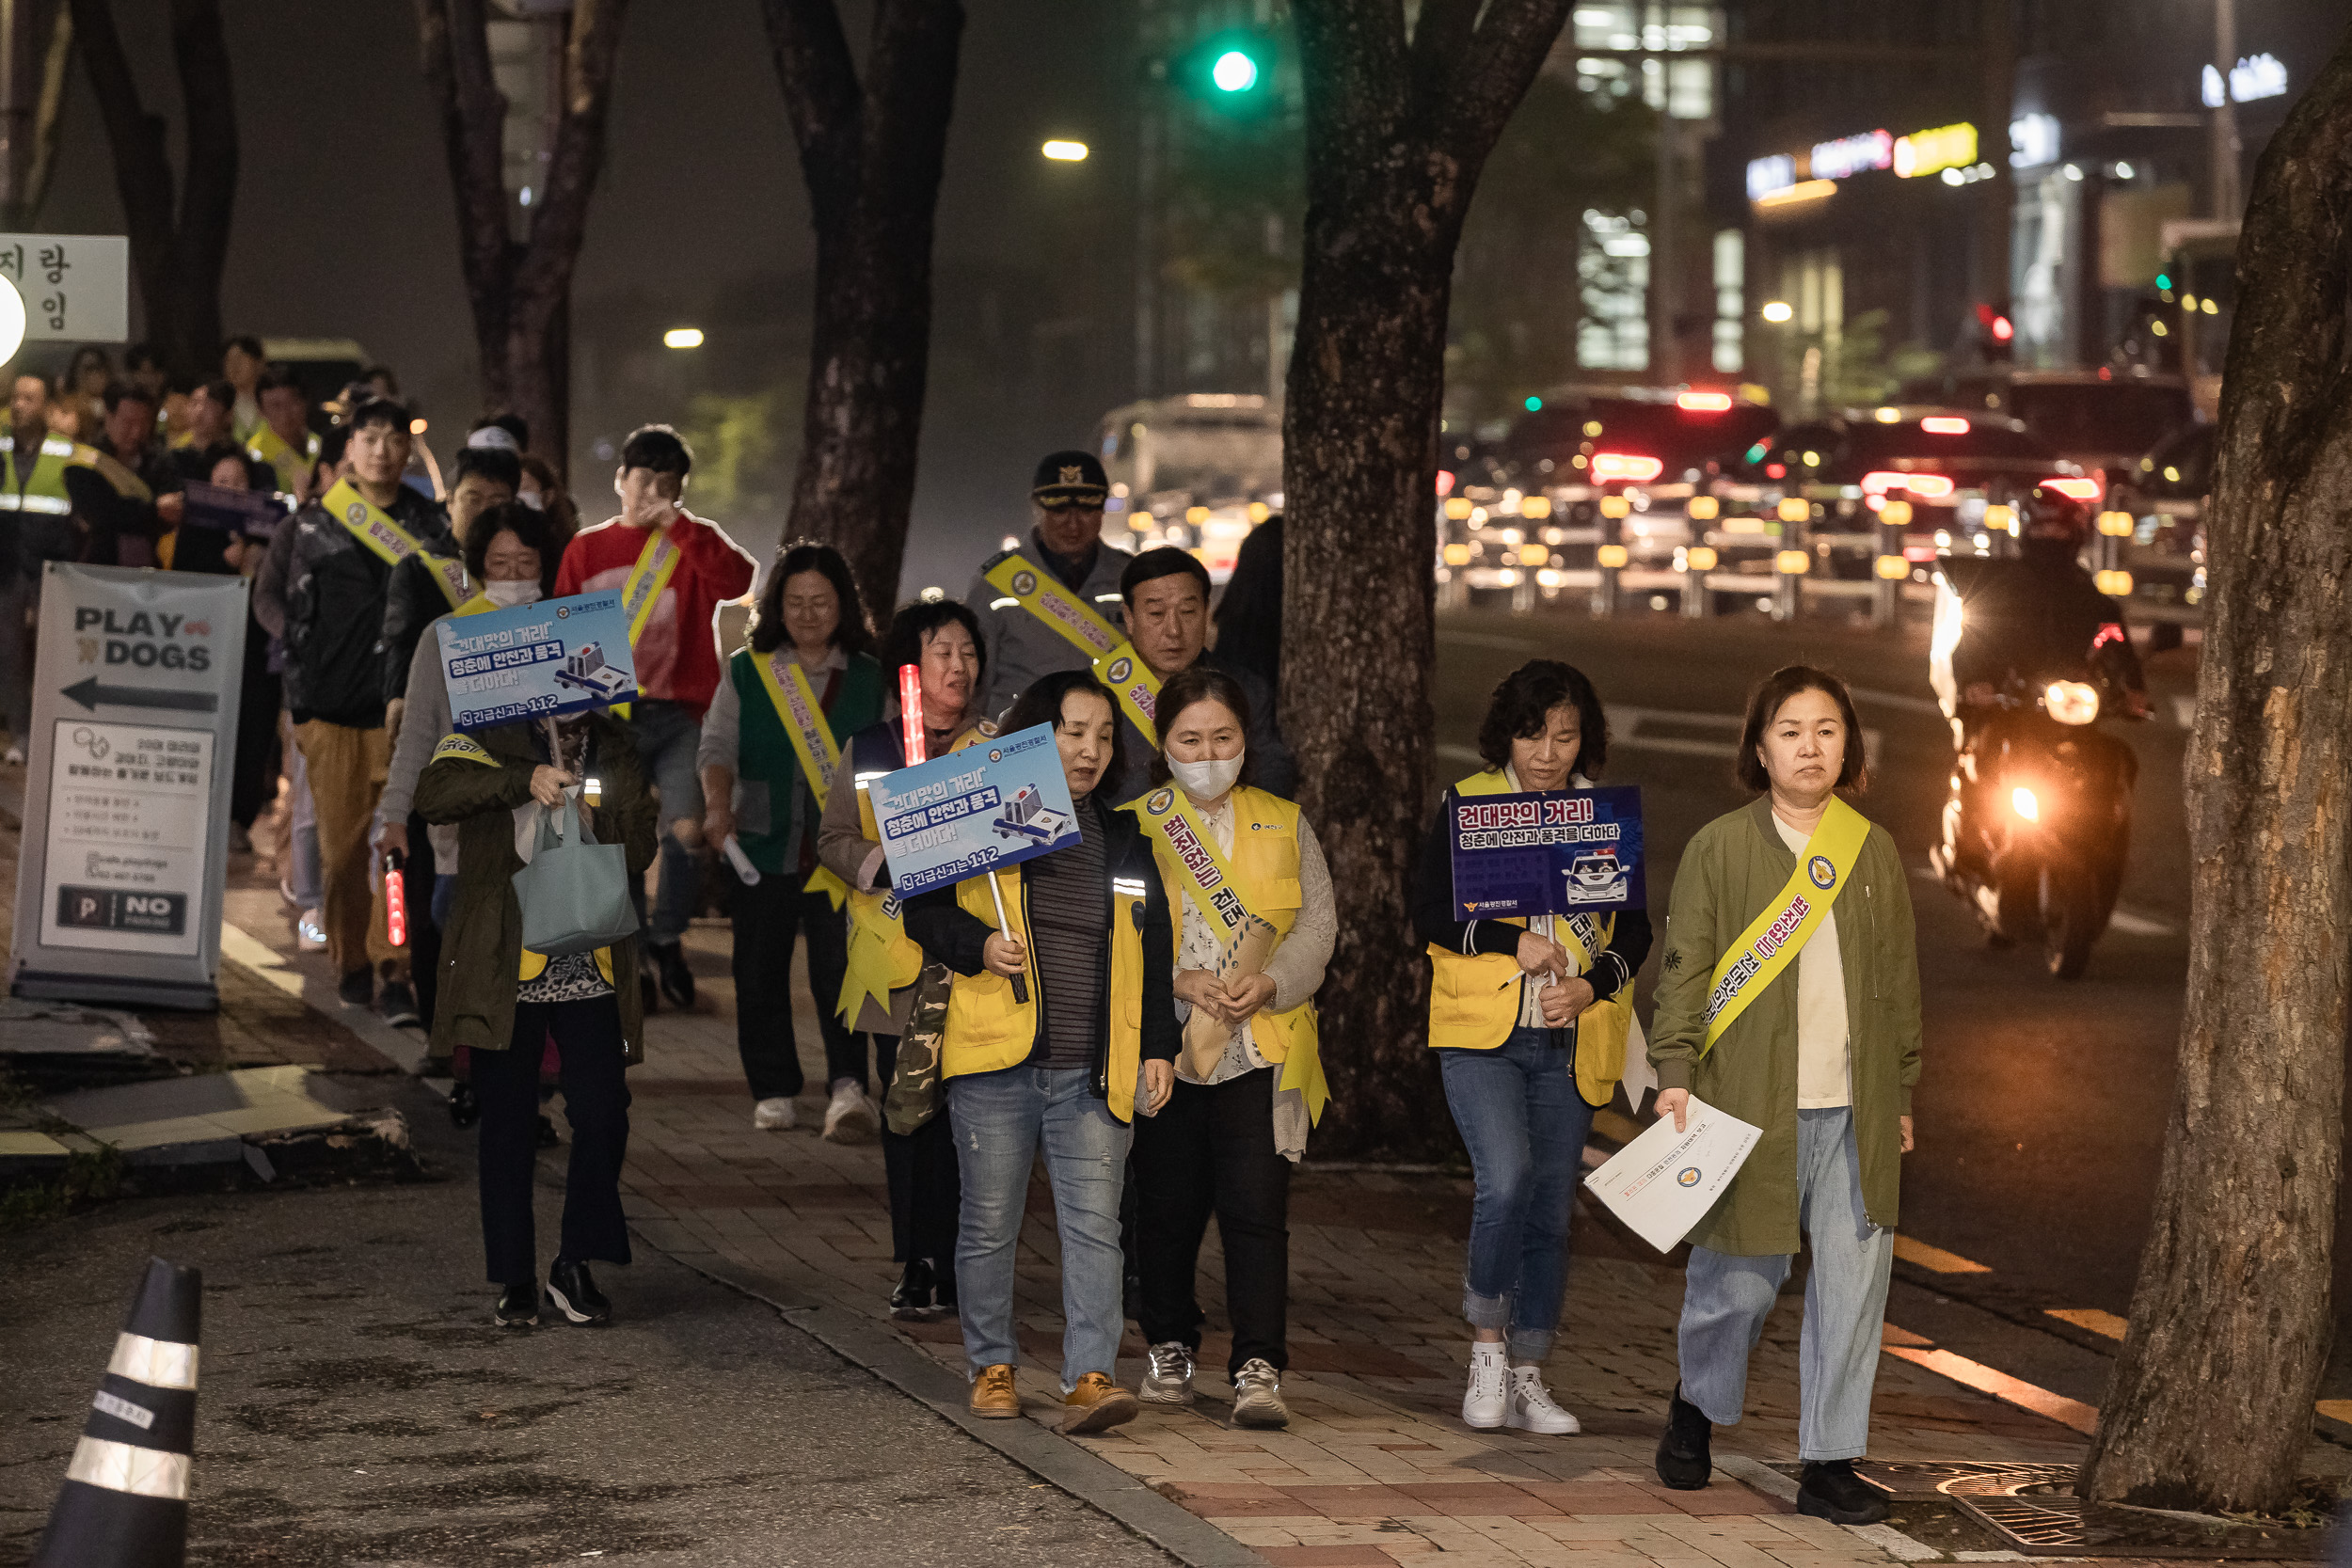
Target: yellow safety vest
{"x":1474,"y":999}
{"x":41,"y":489}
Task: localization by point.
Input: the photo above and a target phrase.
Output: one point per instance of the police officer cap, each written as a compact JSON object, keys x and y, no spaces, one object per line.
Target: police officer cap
{"x":1069,"y":478}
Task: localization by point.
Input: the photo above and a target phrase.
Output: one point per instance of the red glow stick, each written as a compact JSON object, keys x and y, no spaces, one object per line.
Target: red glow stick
{"x":911,"y":713}
{"x":395,"y":901}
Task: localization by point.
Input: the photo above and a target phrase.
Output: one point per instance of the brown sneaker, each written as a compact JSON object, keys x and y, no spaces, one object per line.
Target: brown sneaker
{"x":993,"y":1393}
{"x":1097,"y":1405}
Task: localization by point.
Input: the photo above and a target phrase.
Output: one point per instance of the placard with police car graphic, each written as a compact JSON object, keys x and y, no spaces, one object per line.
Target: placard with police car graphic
{"x":537,"y":660}
{"x":996,"y":802}
{"x":1565,"y":851}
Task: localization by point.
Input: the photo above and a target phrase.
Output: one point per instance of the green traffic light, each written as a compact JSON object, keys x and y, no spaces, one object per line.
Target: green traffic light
{"x":1234,"y":71}
{"x":2163,"y":280}
{"x":1534,"y":405}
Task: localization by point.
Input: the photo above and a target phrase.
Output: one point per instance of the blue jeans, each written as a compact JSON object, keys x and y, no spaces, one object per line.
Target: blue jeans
{"x":1519,"y":1111}
{"x":667,"y":736}
{"x":1727,"y":1298}
{"x":1002,"y":1119}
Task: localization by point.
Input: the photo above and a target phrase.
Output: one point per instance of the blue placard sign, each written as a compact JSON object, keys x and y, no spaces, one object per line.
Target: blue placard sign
{"x":994,"y":804}
{"x":537,"y":660}
{"x":1555,"y":852}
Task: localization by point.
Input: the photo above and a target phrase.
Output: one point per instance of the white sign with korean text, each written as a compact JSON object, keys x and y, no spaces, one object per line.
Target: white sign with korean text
{"x":76,"y":287}
{"x":127,"y":817}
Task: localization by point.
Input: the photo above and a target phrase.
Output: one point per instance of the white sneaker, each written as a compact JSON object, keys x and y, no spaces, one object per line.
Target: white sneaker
{"x":310,"y":933}
{"x":1258,"y":1396}
{"x":1488,"y":1397}
{"x":1531,"y":1406}
{"x":15,"y":758}
{"x":1167,"y":1374}
{"x":850,"y":1118}
{"x":775,"y":1115}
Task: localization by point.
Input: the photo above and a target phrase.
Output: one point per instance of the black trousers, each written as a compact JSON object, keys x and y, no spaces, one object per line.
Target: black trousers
{"x":768,"y":918}
{"x":596,"y":1103}
{"x":1211,"y":1150}
{"x":253,"y":776}
{"x":925,"y":1183}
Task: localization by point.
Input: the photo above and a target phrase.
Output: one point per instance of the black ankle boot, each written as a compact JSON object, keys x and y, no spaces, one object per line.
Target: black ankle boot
{"x":1829,"y":1489}
{"x":912,"y":1298}
{"x":574,"y":1293}
{"x":1684,"y":1462}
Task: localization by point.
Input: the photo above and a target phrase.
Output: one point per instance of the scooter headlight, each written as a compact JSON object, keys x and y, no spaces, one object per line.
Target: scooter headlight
{"x":2071,"y":701}
{"x":2021,"y":800}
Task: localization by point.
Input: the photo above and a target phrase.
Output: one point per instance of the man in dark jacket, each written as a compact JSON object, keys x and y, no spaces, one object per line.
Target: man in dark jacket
{"x":334,"y":560}
{"x":1165,"y":591}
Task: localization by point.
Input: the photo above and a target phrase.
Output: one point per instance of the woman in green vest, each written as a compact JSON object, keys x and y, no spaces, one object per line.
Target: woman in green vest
{"x":1529,"y":1018}
{"x":1250,"y":1079}
{"x":769,"y":745}
{"x":1790,"y":998}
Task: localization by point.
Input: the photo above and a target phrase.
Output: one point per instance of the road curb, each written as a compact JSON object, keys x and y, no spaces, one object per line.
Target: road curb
{"x":1101,"y":1485}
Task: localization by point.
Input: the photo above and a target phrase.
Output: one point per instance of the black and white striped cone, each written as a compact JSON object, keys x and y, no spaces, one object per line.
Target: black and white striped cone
{"x":125,"y":1503}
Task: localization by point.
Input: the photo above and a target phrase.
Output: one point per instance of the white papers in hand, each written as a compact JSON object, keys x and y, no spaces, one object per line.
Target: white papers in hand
{"x":1664,"y":1182}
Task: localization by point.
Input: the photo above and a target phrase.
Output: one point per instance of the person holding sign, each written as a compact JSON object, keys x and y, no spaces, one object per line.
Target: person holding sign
{"x":1529,"y":1018}
{"x":673,"y":570}
{"x":424,"y":589}
{"x":1165,"y":591}
{"x":1256,"y":931}
{"x":769,"y":755}
{"x":1042,"y":608}
{"x":1054,"y":1049}
{"x":1790,"y":998}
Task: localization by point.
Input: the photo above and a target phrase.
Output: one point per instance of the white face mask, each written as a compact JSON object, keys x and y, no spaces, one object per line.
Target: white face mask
{"x":1207,"y":780}
{"x":506,"y":595}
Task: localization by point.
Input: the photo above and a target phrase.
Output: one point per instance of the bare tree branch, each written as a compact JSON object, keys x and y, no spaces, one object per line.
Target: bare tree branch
{"x":822,"y":99}
{"x":142,"y":173}
{"x":208,"y":197}
{"x":56,"y":64}
{"x":560,"y":217}
{"x":1490,"y":74}
{"x":473,"y":115}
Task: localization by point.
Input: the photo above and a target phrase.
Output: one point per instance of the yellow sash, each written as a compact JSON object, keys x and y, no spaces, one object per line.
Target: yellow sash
{"x":813,"y":744}
{"x":289,"y":461}
{"x":1116,"y":662}
{"x":479,"y":605}
{"x":374,"y":528}
{"x":1604,"y":1028}
{"x":655,"y":564}
{"x":1777,"y":935}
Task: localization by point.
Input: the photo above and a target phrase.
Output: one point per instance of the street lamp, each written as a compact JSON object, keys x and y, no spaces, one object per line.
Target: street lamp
{"x":1234,"y":71}
{"x":682,"y":337}
{"x":1777,"y":311}
{"x":1065,"y":152}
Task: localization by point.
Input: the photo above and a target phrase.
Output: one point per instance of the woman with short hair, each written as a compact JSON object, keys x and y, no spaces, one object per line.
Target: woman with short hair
{"x":1790,"y":1000}
{"x":1530,"y":1019}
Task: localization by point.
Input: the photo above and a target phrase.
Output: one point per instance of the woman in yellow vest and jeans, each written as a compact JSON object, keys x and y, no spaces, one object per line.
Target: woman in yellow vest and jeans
{"x":1063,"y":1066}
{"x":1529,"y":1018}
{"x":1249,"y":1081}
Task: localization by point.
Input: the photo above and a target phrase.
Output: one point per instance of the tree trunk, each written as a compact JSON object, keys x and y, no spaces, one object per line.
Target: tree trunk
{"x":521,"y":291}
{"x":871,"y":159}
{"x":2211,"y":1404}
{"x":1398,"y":128}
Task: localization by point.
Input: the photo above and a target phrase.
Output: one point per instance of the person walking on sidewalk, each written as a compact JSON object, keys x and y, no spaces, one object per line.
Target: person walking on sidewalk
{"x":672,"y":570}
{"x":768,"y":757}
{"x":503,"y":1004}
{"x":1066,"y":498}
{"x":1060,"y":1066}
{"x":1790,"y":998}
{"x":335,"y":558}
{"x":1250,"y":1079}
{"x":1529,"y":1018}
{"x":941,"y":641}
{"x":1166,"y":593}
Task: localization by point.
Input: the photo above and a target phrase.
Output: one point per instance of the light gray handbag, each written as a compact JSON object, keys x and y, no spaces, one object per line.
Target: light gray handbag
{"x":575,"y":892}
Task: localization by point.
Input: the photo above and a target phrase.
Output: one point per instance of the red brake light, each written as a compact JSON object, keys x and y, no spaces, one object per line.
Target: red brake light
{"x":1776,"y":470}
{"x":2109,"y":632}
{"x":1945,"y":424}
{"x":1445,"y":483}
{"x":1704,"y":403}
{"x":2074,"y":489}
{"x":1931,"y":486}
{"x":2002,"y":330}
{"x":1610,"y":466}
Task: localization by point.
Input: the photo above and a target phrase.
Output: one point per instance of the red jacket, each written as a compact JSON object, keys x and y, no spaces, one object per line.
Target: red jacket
{"x":677,"y":652}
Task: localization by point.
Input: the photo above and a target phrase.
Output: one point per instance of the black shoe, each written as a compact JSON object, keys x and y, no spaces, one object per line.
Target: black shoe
{"x":943,"y":1285}
{"x":912,"y":1298}
{"x":576,"y":1295}
{"x":398,"y":1005}
{"x":546,"y":1133}
{"x":678,"y":981}
{"x":1829,"y":1489}
{"x":1683,"y":1460}
{"x":464,"y":1106}
{"x":356,"y":989}
{"x":518,"y":1308}
{"x":1131,"y":1298}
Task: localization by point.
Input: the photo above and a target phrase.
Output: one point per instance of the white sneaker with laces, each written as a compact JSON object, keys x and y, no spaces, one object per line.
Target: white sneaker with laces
{"x":775,"y":1115}
{"x":1532,"y":1407}
{"x":1258,"y":1396}
{"x":850,"y":1118}
{"x":310,"y":933}
{"x":1167,"y":1374}
{"x":1488,"y":1396}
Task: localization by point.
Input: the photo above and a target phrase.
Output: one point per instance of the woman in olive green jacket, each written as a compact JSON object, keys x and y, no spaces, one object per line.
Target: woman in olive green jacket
{"x":504,"y":1004}
{"x":1790,"y":942}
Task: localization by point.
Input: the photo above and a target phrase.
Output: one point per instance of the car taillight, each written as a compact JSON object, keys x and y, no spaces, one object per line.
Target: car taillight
{"x":1625,"y":468}
{"x":1704,"y":403}
{"x":2074,"y":489}
{"x":1933,"y":486}
{"x":1945,"y":424}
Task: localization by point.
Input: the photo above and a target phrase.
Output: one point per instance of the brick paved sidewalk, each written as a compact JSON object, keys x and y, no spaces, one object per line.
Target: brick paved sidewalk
{"x":1376,"y":1468}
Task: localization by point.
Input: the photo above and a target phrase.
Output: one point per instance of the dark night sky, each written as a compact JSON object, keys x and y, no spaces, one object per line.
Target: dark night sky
{"x":344,"y":224}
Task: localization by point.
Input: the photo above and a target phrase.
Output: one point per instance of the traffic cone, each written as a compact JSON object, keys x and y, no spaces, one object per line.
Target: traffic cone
{"x":125,"y":1503}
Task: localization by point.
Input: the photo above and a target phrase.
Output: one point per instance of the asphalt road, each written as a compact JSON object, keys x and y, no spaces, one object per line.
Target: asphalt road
{"x":2042,"y":1107}
{"x":356,"y":1406}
